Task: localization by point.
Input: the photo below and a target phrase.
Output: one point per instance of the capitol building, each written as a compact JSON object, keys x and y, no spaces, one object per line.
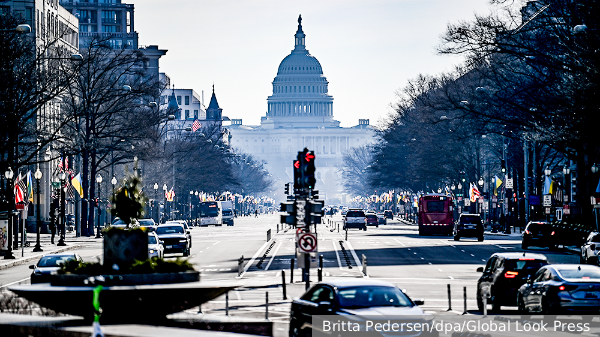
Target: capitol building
{"x":300,"y":114}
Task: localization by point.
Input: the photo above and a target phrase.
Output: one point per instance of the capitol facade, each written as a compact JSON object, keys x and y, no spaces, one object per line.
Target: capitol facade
{"x":300,"y":115}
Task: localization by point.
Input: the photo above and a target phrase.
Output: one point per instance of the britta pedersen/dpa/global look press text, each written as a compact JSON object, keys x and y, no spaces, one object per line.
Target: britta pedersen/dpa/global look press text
{"x":454,"y":325}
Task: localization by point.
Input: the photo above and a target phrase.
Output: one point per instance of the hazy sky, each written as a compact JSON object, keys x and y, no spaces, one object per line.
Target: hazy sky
{"x":368,"y":48}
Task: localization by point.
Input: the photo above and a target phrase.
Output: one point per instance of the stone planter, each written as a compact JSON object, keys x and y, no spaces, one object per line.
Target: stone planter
{"x":123,"y":247}
{"x":75,"y":280}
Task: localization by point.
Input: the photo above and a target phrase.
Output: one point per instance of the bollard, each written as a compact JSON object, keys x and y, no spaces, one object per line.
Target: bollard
{"x":200,"y":309}
{"x":267,"y":305}
{"x":283,"y":284}
{"x":449,"y":299}
{"x":277,"y":228}
{"x":465,"y":300}
{"x":346,"y":238}
{"x":268,"y":235}
{"x":338,"y":227}
{"x":227,"y":304}
{"x":292,"y":271}
{"x":364,"y":264}
{"x":484,"y":306}
{"x":240,"y":265}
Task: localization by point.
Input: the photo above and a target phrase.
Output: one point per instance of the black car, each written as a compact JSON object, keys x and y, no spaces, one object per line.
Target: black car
{"x":175,"y":238}
{"x":503,"y":275}
{"x":539,"y":234}
{"x":351,"y":299}
{"x":562,"y":288}
{"x":49,"y":264}
{"x":389,"y":214}
{"x":468,"y":225}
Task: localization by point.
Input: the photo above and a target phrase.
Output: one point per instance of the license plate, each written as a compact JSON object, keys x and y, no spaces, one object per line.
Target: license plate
{"x":169,"y":247}
{"x":469,"y":227}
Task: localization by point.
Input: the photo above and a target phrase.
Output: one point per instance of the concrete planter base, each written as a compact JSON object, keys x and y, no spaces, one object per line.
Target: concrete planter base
{"x":75,"y":280}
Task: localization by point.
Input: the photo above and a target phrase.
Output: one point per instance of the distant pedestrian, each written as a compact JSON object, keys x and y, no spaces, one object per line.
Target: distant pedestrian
{"x":256,"y":213}
{"x":502,"y":222}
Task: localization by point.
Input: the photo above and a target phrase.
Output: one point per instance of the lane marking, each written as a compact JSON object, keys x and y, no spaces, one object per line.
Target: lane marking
{"x":337,"y":255}
{"x":356,"y":259}
{"x":452,"y":278}
{"x":403,"y":245}
{"x":216,"y":243}
{"x":249,"y":264}
{"x":472,"y":255}
{"x":272,"y":256}
{"x":16,"y":282}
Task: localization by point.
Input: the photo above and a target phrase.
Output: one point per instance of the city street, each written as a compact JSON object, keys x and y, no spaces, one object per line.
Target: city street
{"x":422,"y":265}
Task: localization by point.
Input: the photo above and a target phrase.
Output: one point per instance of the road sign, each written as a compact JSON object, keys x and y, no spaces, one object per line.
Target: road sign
{"x":509,"y":183}
{"x":307,"y":243}
{"x":55,"y":184}
{"x":547,"y":200}
{"x":467,"y":202}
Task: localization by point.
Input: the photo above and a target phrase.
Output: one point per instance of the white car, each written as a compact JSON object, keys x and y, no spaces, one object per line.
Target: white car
{"x":590,"y":249}
{"x":155,"y":246}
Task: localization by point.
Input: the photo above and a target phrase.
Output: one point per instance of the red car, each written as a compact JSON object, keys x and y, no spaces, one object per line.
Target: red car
{"x":372,"y":220}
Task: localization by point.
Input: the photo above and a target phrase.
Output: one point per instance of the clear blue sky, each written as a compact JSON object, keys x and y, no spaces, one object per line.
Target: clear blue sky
{"x":368,"y":49}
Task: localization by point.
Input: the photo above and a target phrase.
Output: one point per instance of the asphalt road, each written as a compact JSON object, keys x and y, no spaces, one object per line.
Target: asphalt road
{"x":423,"y":265}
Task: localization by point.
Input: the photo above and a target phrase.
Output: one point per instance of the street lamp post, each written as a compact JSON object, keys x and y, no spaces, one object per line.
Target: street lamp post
{"x":190,"y":209}
{"x":113,"y":181}
{"x":460,"y":186}
{"x":155,"y":210}
{"x":61,"y":241}
{"x":38,"y":175}
{"x":197,"y":206}
{"x":9,"y":174}
{"x":480,"y":182}
{"x":99,"y":181}
{"x":165,"y":208}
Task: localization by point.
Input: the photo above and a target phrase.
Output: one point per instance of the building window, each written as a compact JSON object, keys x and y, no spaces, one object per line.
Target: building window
{"x":187,"y":100}
{"x":187,"y":114}
{"x":179,"y":100}
{"x":195,"y":114}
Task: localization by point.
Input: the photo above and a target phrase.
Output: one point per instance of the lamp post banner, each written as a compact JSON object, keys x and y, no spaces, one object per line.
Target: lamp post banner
{"x":4,"y":234}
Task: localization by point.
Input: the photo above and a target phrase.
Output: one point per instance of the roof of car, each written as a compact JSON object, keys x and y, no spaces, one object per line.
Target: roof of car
{"x":60,"y":254}
{"x":573,"y":266}
{"x":356,"y":282}
{"x":468,"y":214}
{"x":521,"y":255}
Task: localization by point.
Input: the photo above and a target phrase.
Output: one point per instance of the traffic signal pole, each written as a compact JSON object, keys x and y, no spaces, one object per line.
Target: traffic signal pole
{"x":303,"y":210}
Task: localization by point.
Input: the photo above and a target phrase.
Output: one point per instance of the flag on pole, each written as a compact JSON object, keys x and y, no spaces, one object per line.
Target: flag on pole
{"x":170,"y":195}
{"x":76,"y":182}
{"x":19,"y":189}
{"x":473,"y":193}
{"x":497,"y":184}
{"x":29,"y":187}
{"x":196,"y":125}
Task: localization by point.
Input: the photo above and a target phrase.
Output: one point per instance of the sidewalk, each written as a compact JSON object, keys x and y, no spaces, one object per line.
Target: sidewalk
{"x":27,"y":254}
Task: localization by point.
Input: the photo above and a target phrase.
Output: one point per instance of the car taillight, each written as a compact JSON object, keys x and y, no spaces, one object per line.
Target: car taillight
{"x":511,"y":274}
{"x":567,"y":287}
{"x":527,"y":231}
{"x":552,"y":233}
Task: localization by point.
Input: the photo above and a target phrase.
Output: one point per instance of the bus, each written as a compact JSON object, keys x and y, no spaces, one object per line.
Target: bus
{"x":435,"y":214}
{"x":211,"y":213}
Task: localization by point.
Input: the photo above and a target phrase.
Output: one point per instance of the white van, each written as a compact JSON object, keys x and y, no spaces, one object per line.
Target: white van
{"x":227,"y":212}
{"x":211,"y":214}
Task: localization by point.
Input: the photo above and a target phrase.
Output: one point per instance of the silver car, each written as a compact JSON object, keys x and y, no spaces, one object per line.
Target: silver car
{"x":155,"y":246}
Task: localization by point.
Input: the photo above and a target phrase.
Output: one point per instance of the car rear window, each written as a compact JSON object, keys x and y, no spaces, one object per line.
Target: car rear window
{"x":516,"y":265}
{"x":596,"y":238}
{"x":583,"y":274}
{"x":351,"y":214}
{"x":539,"y":227}
{"x":371,"y":216}
{"x":435,"y":206}
{"x":470,"y":219}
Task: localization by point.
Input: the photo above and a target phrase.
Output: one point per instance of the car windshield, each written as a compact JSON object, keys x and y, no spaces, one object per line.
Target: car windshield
{"x":169,"y":230}
{"x":352,"y":214}
{"x":118,"y":222}
{"x":209,"y":209}
{"x":54,"y":261}
{"x":146,"y":222}
{"x":580,"y":274}
{"x":372,"y":296}
{"x":152,"y":240}
{"x":517,"y":265}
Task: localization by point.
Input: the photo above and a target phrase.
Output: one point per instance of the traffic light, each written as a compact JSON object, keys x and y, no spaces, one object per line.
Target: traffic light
{"x":503,"y":166}
{"x":290,"y":217}
{"x":306,"y":159}
{"x":287,"y":188}
{"x":314,"y":211}
{"x":297,"y":174}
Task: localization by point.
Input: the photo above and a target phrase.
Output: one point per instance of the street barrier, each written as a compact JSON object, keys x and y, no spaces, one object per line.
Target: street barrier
{"x":283,"y":284}
{"x":465,"y":300}
{"x":267,"y":305}
{"x":449,"y":299}
{"x":240,"y":265}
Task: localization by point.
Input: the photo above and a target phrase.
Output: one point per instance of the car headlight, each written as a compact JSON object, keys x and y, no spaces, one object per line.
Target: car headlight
{"x":151,"y":251}
{"x":183,"y":240}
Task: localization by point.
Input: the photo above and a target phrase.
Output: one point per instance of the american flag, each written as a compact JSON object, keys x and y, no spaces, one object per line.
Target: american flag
{"x":20,"y":189}
{"x":196,"y":125}
{"x":66,"y":163}
{"x":474,"y":193}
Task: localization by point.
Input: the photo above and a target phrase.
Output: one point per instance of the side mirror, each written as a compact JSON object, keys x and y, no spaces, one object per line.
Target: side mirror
{"x":32,"y":266}
{"x":188,"y":232}
{"x":480,"y":270}
{"x":420,"y":301}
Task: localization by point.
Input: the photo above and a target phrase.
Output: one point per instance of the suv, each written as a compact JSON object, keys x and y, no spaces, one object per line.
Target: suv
{"x":590,"y":249}
{"x":355,"y":218}
{"x":503,"y":275}
{"x":540,"y":234}
{"x":372,"y":220}
{"x":468,"y":225}
{"x":175,"y":238}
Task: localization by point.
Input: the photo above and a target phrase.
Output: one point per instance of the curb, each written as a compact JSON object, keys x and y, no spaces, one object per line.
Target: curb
{"x":23,"y":260}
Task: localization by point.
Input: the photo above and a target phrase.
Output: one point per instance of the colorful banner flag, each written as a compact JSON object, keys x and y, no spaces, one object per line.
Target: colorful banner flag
{"x":29,"y":187}
{"x":76,"y":182}
{"x":20,"y":189}
{"x":196,"y":125}
{"x":473,"y":193}
{"x":497,"y":184}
